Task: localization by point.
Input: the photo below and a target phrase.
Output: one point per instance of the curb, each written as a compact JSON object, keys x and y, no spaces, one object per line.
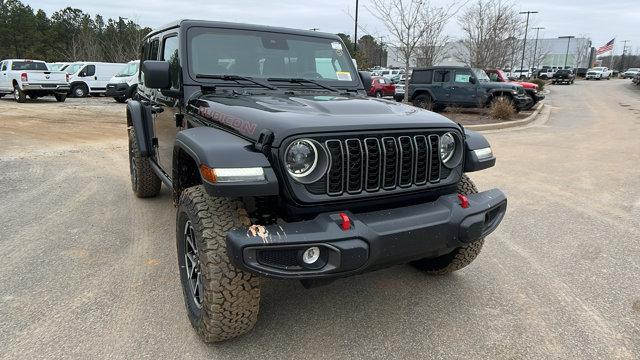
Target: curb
{"x":508,"y":124}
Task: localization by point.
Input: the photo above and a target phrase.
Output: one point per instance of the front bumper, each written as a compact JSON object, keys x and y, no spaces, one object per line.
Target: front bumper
{"x":522,"y":102}
{"x":56,"y":88}
{"x":593,"y":76}
{"x":117,"y":90}
{"x":375,"y":239}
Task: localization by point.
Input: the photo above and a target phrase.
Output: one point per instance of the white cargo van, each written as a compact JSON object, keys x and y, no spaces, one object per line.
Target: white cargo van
{"x":87,"y":77}
{"x":123,"y":84}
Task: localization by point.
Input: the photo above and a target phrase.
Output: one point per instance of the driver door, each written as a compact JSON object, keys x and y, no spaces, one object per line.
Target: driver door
{"x":464,"y":88}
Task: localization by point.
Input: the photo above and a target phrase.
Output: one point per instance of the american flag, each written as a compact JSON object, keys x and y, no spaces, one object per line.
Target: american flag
{"x":606,"y":47}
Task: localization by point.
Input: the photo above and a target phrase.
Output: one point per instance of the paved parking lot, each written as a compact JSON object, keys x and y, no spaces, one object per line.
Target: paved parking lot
{"x":89,"y":271}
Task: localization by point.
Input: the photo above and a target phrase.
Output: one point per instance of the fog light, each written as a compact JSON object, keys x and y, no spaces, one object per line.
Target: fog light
{"x":311,"y":255}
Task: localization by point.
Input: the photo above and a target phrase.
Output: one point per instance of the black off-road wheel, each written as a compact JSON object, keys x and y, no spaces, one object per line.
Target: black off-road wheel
{"x":222,"y":301}
{"x":144,"y":181}
{"x":424,"y":101}
{"x":460,"y":257}
{"x":120,"y":99}
{"x":60,"y":97}
{"x":19,"y":95}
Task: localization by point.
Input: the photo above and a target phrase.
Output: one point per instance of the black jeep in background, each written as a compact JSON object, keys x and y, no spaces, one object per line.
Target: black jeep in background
{"x":280,"y":166}
{"x":563,"y":77}
{"x":435,"y":88}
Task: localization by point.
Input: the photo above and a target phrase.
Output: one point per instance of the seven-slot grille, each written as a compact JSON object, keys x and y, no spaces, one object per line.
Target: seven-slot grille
{"x":374,"y":163}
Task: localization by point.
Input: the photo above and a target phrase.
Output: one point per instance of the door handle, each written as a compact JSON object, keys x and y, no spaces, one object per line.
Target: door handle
{"x":95,"y":78}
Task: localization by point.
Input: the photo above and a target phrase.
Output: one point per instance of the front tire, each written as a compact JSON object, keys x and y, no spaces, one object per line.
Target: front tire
{"x":60,"y":97}
{"x":120,"y":99}
{"x":144,"y":181}
{"x":222,"y":301}
{"x":459,"y":257}
{"x":79,"y":90}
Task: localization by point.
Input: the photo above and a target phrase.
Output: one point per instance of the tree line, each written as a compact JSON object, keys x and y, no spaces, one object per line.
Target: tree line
{"x":68,"y":34}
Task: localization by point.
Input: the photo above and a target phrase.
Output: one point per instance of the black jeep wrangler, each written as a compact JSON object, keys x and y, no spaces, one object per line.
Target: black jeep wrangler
{"x":280,"y":166}
{"x":437,"y":87}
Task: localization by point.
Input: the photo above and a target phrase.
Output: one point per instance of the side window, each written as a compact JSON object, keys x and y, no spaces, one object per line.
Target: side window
{"x":442,"y":76}
{"x":462,"y":76}
{"x":3,"y":66}
{"x":493,"y":77}
{"x":170,"y":54}
{"x":421,"y":76}
{"x":89,"y":70}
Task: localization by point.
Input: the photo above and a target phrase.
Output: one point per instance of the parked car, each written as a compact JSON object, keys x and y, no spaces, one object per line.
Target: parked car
{"x":57,"y":66}
{"x":636,"y":79}
{"x":291,"y":172}
{"x":630,"y":73}
{"x":531,"y":89}
{"x":521,"y":73}
{"x":391,"y":73}
{"x":581,"y":72}
{"x":598,"y":73}
{"x":546,"y":73}
{"x":400,"y":88}
{"x":563,"y":77}
{"x":381,"y":87}
{"x":123,"y":85}
{"x":91,"y":77}
{"x":437,"y":87}
{"x":32,"y":78}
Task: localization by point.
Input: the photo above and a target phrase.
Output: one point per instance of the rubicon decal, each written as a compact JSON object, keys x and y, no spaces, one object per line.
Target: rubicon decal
{"x":243,"y":126}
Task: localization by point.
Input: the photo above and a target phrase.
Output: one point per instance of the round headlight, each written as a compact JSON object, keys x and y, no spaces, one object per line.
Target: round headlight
{"x":447,"y":147}
{"x":301,"y":158}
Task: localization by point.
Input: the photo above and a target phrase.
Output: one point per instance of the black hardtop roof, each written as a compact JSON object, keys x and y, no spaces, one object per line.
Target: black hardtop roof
{"x":239,"y":26}
{"x":442,"y":67}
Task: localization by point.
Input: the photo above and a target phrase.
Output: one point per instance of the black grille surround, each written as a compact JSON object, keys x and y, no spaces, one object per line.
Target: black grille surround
{"x":376,"y":164}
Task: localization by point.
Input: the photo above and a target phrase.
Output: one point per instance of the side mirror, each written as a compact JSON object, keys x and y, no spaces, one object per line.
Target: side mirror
{"x":82,"y":74}
{"x":472,"y":80}
{"x":365,"y":76}
{"x":157,"y":74}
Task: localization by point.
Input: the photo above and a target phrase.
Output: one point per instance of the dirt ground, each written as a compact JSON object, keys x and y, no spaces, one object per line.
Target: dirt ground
{"x":45,"y":126}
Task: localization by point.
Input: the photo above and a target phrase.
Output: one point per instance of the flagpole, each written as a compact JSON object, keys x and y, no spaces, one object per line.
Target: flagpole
{"x":613,"y":46}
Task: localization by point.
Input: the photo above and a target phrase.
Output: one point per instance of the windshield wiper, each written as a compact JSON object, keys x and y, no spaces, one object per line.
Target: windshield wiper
{"x":309,"y":81}
{"x":236,"y":78}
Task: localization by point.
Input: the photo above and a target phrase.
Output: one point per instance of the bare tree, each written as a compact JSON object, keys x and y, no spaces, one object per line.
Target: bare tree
{"x":408,"y":22}
{"x":433,"y":46}
{"x":488,"y":27}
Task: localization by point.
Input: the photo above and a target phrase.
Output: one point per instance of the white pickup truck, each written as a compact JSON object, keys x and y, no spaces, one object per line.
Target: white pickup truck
{"x":598,"y":73}
{"x":31,"y":78}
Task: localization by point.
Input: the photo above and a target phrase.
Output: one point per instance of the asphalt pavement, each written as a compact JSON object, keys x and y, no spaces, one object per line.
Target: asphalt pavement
{"x":89,"y":271}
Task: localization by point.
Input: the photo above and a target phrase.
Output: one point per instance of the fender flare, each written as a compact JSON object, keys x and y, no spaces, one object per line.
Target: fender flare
{"x":140,"y":118}
{"x":475,"y":141}
{"x":217,"y":148}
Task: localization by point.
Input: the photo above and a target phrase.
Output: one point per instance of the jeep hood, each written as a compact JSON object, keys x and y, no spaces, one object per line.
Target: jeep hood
{"x":286,"y":115}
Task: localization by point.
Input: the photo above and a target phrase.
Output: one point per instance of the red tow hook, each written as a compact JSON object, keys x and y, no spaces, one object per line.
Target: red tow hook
{"x":346,"y":222}
{"x":464,"y":202}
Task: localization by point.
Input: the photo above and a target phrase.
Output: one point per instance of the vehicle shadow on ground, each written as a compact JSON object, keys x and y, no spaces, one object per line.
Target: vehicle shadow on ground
{"x":354,"y":309}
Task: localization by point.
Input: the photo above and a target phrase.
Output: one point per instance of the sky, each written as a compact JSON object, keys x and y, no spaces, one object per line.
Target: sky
{"x":601,"y":20}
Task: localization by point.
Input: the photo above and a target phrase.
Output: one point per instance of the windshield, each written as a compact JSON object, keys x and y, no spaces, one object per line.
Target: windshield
{"x":634,"y":69}
{"x":481,"y":75}
{"x":598,"y":69}
{"x":29,"y":65}
{"x":267,"y":55}
{"x":129,"y":70}
{"x":73,"y":68}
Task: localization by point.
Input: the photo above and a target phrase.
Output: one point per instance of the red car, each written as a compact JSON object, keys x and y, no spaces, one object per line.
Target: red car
{"x":530,"y":89}
{"x":381,"y":87}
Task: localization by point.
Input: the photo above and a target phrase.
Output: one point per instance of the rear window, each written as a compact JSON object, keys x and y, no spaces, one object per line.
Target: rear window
{"x":29,"y":65}
{"x":421,"y":76}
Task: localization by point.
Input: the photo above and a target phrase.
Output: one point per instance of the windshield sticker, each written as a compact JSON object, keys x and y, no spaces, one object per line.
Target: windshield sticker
{"x":343,"y":75}
{"x":243,"y":126}
{"x":336,"y":45}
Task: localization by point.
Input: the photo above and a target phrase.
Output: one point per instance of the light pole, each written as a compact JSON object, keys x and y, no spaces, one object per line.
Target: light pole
{"x":535,"y":47}
{"x":355,"y":35}
{"x":524,"y":45}
{"x":381,"y":49}
{"x":624,"y":50}
{"x":566,"y":55}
